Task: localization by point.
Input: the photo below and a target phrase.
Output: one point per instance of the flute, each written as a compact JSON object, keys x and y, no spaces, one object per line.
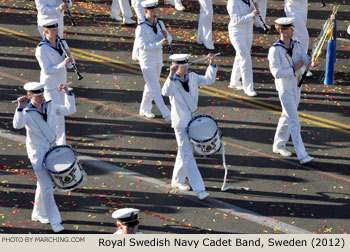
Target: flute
{"x":165,"y":36}
{"x":70,"y":14}
{"x":28,"y":97}
{"x":66,"y":53}
{"x":261,"y":19}
{"x":195,"y":61}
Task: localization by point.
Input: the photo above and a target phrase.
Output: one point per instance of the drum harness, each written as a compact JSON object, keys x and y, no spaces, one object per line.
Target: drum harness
{"x":44,"y":127}
{"x":192,"y":106}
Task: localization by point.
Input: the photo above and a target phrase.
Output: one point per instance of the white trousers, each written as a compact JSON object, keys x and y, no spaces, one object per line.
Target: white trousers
{"x":262,"y":7}
{"x":242,"y":66}
{"x":185,"y":164}
{"x":300,"y":31}
{"x":45,"y":205}
{"x":152,"y":90}
{"x":136,"y":4}
{"x":288,"y":124}
{"x":60,"y":29}
{"x":205,"y":33}
{"x":123,"y":6}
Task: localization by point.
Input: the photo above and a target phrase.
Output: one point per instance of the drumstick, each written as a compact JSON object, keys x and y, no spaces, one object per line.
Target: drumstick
{"x":195,"y":61}
{"x":28,"y":97}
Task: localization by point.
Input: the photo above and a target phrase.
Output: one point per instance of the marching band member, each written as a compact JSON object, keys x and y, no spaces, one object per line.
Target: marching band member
{"x":297,"y":9}
{"x":241,"y":35}
{"x":127,"y":220}
{"x":137,"y":5}
{"x":176,"y":3}
{"x":205,"y":33}
{"x":52,"y":9}
{"x":262,"y":8}
{"x":45,"y":209}
{"x":148,"y":49}
{"x":122,"y":6}
{"x":286,"y":58}
{"x":185,"y":164}
{"x":53,"y":64}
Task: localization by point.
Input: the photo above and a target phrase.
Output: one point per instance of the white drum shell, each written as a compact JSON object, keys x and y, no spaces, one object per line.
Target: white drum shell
{"x":204,"y":135}
{"x":63,"y":167}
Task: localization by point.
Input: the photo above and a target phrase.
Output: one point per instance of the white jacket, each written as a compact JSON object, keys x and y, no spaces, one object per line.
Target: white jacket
{"x":180,"y":113}
{"x":282,"y":65}
{"x":147,"y":46}
{"x":53,"y":70}
{"x":295,"y":6}
{"x":36,"y":142}
{"x":241,"y":19}
{"x":49,"y":9}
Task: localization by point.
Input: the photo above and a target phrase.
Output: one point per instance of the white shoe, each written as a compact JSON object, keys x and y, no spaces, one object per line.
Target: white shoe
{"x":57,"y":227}
{"x":209,"y":46}
{"x":202,"y":195}
{"x":250,"y":93}
{"x":306,"y":159}
{"x":147,"y":114}
{"x":40,"y":219}
{"x":179,"y":7}
{"x":118,"y":18}
{"x":168,"y":119}
{"x":238,"y":87}
{"x":181,"y":186}
{"x":281,"y":151}
{"x":128,"y":21}
{"x":309,"y":74}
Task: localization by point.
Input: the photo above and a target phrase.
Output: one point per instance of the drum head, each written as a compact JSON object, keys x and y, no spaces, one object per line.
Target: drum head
{"x":202,"y":128}
{"x":59,"y":159}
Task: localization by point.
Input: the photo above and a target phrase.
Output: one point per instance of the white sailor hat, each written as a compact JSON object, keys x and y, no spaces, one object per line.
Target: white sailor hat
{"x":34,"y":87}
{"x":149,"y":4}
{"x":285,"y":21}
{"x":49,"y":23}
{"x":179,"y":58}
{"x":126,"y":216}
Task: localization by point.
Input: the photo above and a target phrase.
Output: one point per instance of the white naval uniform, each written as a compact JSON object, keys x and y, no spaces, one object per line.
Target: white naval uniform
{"x":121,"y":6}
{"x":53,"y":72}
{"x":139,"y":10}
{"x":241,"y":35}
{"x":37,"y":145}
{"x":286,"y":81}
{"x":185,"y":164}
{"x":205,"y":33}
{"x":298,"y":10}
{"x":49,"y":9}
{"x":262,"y":8}
{"x":149,"y":52}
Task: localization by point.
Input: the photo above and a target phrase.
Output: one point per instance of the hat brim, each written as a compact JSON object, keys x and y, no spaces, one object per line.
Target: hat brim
{"x":131,"y":223}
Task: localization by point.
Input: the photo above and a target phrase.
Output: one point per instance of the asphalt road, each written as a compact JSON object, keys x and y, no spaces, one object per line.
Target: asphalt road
{"x":129,"y":159}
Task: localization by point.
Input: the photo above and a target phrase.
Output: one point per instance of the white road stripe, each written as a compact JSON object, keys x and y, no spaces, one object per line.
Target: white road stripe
{"x":210,"y":202}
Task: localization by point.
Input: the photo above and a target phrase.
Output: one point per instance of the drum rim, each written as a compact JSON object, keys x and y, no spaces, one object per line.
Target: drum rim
{"x":52,"y":149}
{"x":202,"y":141}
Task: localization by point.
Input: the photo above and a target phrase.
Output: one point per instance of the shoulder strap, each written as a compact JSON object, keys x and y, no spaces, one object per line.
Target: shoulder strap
{"x":192,"y":106}
{"x":44,"y":127}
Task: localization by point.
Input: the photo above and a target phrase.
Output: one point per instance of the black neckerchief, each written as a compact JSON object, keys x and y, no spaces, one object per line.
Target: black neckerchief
{"x":246,"y":2}
{"x":154,"y":26}
{"x":289,"y":50}
{"x":57,"y":48}
{"x":183,"y":82}
{"x":44,"y":108}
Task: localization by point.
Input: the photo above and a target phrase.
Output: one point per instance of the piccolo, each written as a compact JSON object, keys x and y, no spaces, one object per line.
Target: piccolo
{"x":62,"y":44}
{"x":195,"y":61}
{"x":28,"y":97}
{"x":70,"y":14}
{"x":165,"y":36}
{"x":261,"y":19}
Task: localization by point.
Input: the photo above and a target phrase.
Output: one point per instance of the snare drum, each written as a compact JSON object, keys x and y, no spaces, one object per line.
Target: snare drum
{"x":204,"y":135}
{"x":63,"y":167}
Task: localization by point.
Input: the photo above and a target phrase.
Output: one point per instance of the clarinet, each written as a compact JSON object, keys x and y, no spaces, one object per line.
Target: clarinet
{"x":70,"y":14}
{"x":73,"y":61}
{"x":323,"y":3}
{"x":165,"y":35}
{"x":261,"y":19}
